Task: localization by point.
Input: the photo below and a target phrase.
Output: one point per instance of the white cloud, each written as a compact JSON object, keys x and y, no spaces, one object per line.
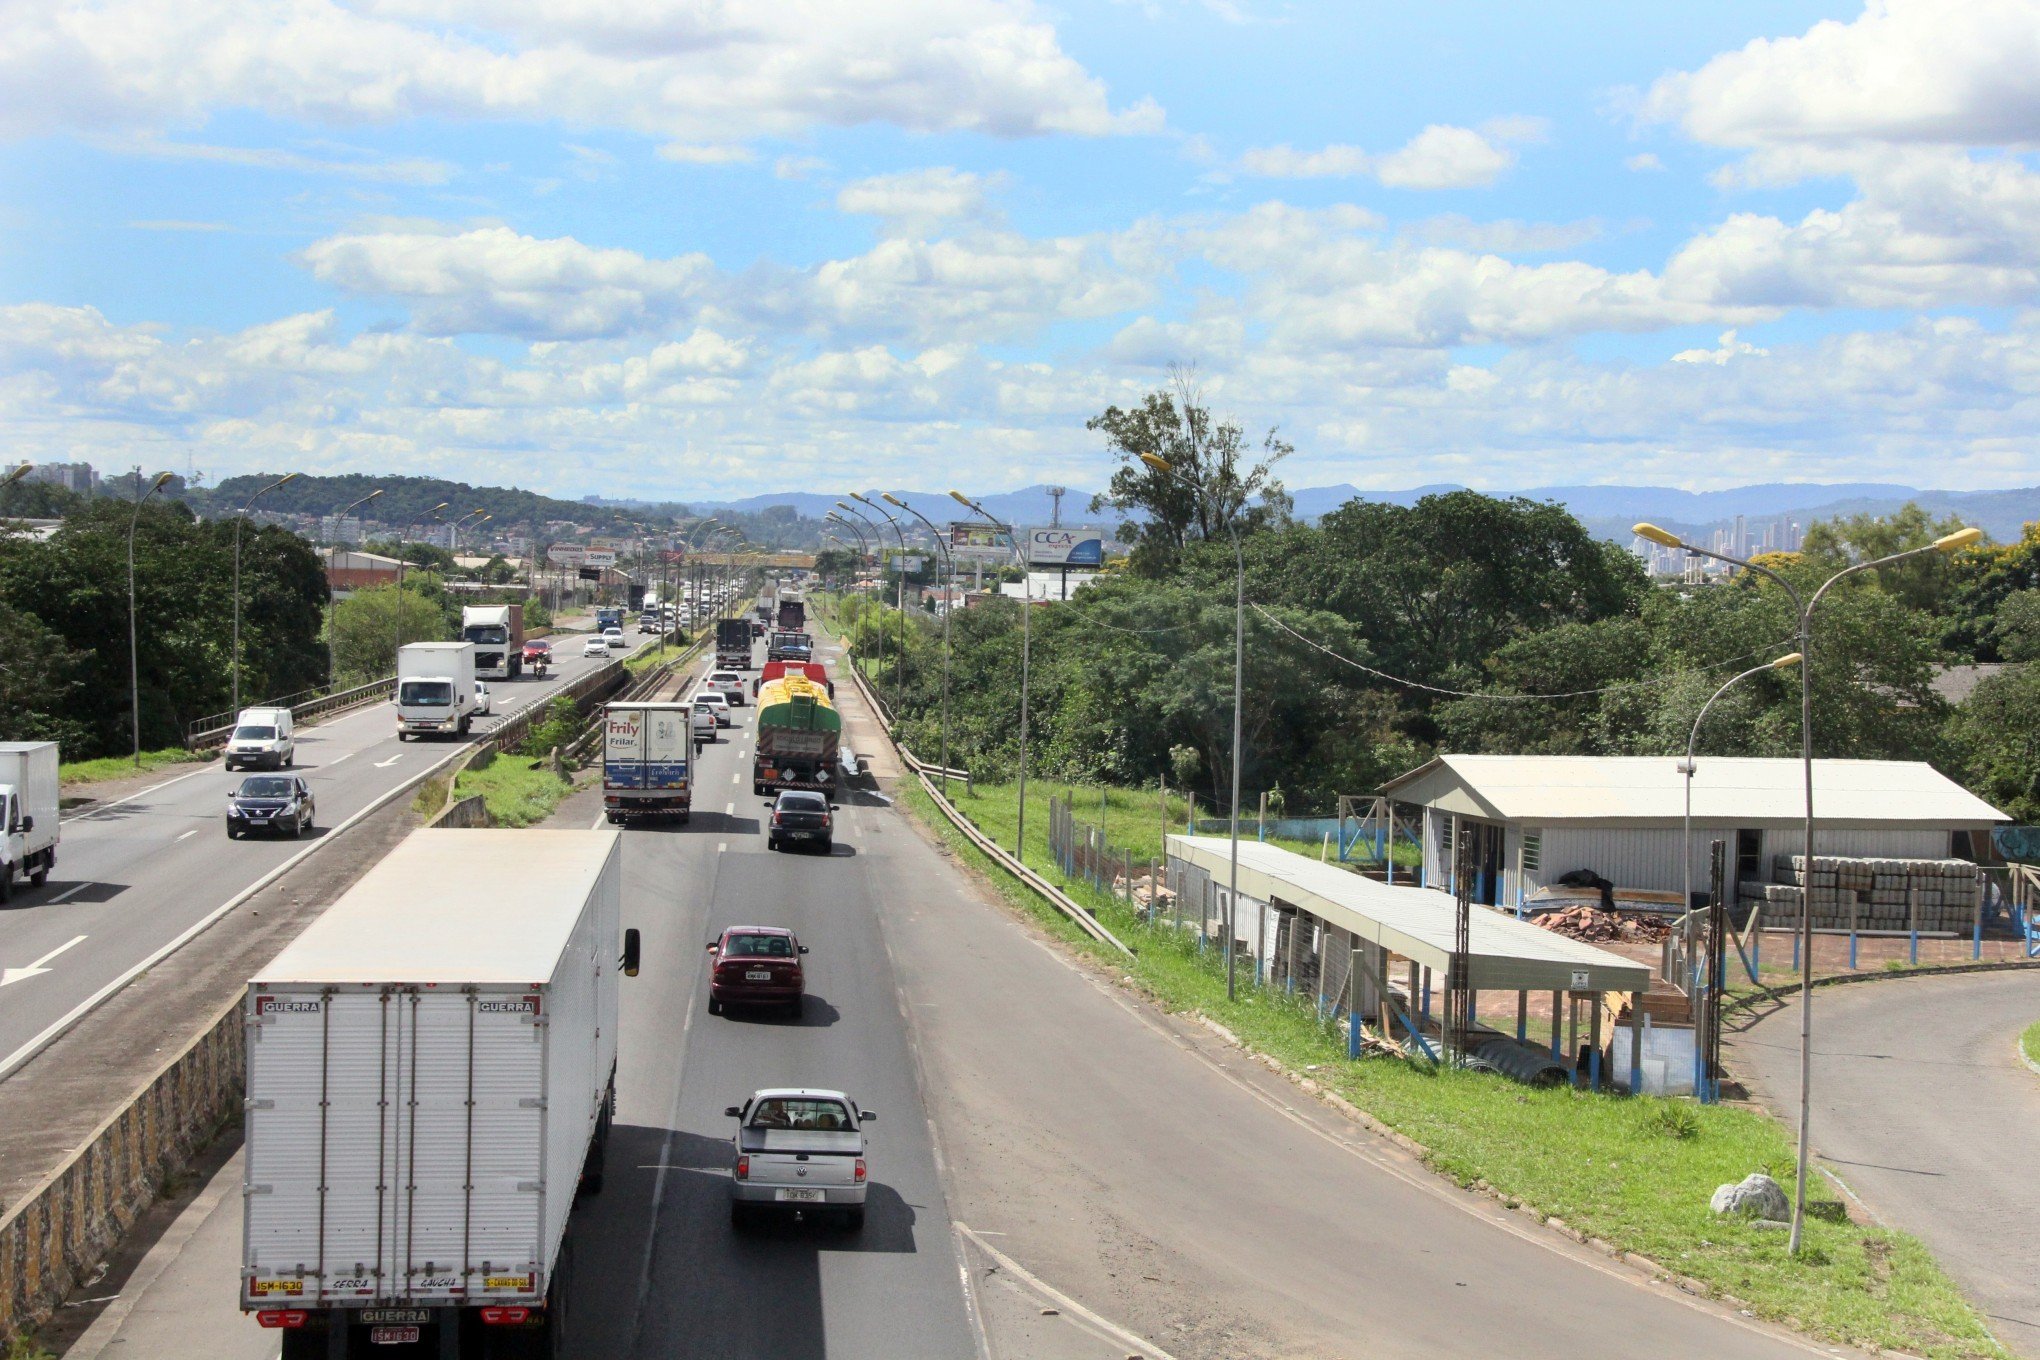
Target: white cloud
{"x":494,"y":280}
{"x":918,"y":201}
{"x":1439,"y":157}
{"x":1507,"y":236}
{"x":798,"y":167}
{"x":403,"y":170}
{"x":1730,"y":348}
{"x":693,"y":71}
{"x":712,"y":153}
{"x":1642,"y":161}
{"x":1902,"y":71}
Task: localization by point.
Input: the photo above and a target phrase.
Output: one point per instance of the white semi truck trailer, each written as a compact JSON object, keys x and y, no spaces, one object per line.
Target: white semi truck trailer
{"x":430,"y":1078}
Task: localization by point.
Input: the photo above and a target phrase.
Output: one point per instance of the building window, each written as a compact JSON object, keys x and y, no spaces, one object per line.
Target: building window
{"x":1445,"y":837}
{"x":1749,"y":857}
{"x":1533,"y":852}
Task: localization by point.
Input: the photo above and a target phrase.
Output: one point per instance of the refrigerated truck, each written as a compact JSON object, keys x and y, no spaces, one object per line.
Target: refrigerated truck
{"x":497,"y":630}
{"x":28,"y":812}
{"x":435,"y":689}
{"x":645,"y":770}
{"x":431,"y":1073}
{"x":733,"y":644}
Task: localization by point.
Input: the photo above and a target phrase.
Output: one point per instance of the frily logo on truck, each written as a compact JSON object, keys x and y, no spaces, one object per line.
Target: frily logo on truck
{"x":522,"y":1005}
{"x":287,"y":1005}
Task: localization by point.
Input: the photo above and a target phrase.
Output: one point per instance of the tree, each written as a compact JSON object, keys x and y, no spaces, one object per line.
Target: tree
{"x":837,"y":564}
{"x":1997,"y":735}
{"x":2018,"y":626}
{"x":1207,"y":494}
{"x":39,"y":682}
{"x":366,"y":626}
{"x":1922,"y":583}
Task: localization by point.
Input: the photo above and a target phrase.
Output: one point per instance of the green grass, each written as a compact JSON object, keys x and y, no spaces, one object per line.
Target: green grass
{"x":1634,"y":1172}
{"x":120,"y":767}
{"x":517,"y":790}
{"x":2029,"y":1042}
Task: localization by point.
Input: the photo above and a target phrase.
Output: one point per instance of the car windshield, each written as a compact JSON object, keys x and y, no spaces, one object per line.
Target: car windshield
{"x":426,"y":693}
{"x":802,"y":802}
{"x":271,"y":787}
{"x":813,"y":1116}
{"x":758,"y":947}
{"x":254,"y":734}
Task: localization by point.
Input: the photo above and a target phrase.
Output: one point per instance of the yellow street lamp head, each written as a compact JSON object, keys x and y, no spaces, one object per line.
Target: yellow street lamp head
{"x":162,"y":480}
{"x":844,"y":505}
{"x":1157,"y":462}
{"x":891,"y":499}
{"x":1961,"y":538}
{"x":371,"y":495}
{"x":11,"y":478}
{"x":959,"y":497}
{"x":1786,"y":661}
{"x":287,"y":477}
{"x":437,"y":508}
{"x":1663,"y":537}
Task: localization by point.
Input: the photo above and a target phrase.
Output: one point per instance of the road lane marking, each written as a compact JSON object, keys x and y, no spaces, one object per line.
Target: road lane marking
{"x":1012,"y":1267}
{"x":337,"y":759}
{"x":9,"y":975}
{"x":69,"y":893}
{"x":189,"y":834}
{"x":89,"y":813}
{"x":729,"y":809}
{"x":721,"y":846}
{"x":385,"y":764}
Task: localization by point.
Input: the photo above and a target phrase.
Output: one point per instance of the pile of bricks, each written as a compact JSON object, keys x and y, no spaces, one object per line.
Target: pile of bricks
{"x":1596,"y":926}
{"x":1870,"y":894}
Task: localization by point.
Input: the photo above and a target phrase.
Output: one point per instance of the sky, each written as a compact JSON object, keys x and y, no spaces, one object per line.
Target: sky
{"x":704,"y":249}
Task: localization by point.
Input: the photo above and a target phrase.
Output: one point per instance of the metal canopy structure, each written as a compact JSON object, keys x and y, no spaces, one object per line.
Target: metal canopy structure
{"x":1418,"y":923}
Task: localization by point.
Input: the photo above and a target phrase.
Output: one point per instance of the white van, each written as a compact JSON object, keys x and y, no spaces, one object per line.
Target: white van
{"x":262,"y":737}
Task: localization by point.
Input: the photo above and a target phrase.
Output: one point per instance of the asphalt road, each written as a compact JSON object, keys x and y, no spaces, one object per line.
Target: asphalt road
{"x":1923,"y":1108}
{"x":657,"y":1269}
{"x":134,"y":875}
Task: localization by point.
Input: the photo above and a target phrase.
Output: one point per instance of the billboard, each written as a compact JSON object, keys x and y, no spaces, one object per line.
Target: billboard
{"x":977,"y":541}
{"x":598,"y":559}
{"x":1065,"y":548}
{"x":565,"y":555}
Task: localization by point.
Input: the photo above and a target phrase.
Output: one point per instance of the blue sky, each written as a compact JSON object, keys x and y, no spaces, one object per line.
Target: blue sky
{"x":708,"y":249}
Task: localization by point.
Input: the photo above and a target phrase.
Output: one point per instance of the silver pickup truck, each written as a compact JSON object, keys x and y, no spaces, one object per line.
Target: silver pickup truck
{"x":799,"y":1151}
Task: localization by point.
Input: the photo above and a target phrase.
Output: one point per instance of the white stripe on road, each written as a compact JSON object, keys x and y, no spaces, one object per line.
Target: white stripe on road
{"x":11,"y":975}
{"x":71,"y":892}
{"x":729,"y":809}
{"x":337,"y":759}
{"x":385,"y":764}
{"x":189,"y":834}
{"x":721,"y":846}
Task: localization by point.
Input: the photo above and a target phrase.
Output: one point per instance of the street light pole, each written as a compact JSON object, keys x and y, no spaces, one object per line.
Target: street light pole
{"x":239,"y":520}
{"x":1167,"y":469}
{"x":948,"y":608}
{"x":1947,"y":543}
{"x":900,"y":599}
{"x":338,"y":517}
{"x":398,"y":600}
{"x":134,"y":663}
{"x":1026,"y":657}
{"x":1687,"y":768}
{"x":878,"y":540}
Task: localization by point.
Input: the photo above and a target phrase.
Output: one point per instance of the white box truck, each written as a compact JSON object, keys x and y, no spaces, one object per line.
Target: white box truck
{"x":435,"y":689}
{"x":430,"y":1078}
{"x":497,"y":630}
{"x":28,"y":812}
{"x":645,"y":770}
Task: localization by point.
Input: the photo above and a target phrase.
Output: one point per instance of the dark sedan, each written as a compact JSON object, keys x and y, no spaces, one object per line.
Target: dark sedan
{"x":801,"y":818}
{"x":755,"y":965}
{"x":270,"y":802}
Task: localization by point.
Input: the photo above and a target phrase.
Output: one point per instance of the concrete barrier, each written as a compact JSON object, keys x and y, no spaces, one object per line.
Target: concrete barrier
{"x":469,"y":812}
{"x":65,"y":1225}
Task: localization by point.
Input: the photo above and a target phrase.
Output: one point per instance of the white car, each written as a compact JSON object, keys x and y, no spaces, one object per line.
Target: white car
{"x":595,"y":646}
{"x":728,"y":684}
{"x":482,"y":698}
{"x":701,"y":721}
{"x":613,"y":639}
{"x":799,"y":1151}
{"x":716,"y":702}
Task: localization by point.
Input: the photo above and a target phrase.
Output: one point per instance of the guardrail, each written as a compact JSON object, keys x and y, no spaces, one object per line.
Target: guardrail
{"x":214,"y":728}
{"x":929,"y":774}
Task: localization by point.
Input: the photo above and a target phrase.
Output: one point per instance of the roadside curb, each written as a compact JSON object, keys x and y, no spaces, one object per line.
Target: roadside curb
{"x":1748,"y":1000}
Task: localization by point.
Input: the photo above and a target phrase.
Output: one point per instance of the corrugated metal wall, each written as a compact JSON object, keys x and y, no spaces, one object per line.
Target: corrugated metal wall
{"x":1649,"y":857}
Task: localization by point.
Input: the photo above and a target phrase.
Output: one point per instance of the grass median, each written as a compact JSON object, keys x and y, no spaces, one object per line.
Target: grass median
{"x":2029,"y":1043}
{"x":1634,"y":1172}
{"x":517,"y":790}
{"x":120,"y":767}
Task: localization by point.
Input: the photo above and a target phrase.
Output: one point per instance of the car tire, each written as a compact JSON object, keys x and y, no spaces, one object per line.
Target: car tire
{"x":829,"y":847}
{"x":290,"y":761}
{"x":772,"y":842}
{"x":229,"y":766}
{"x":853,"y":1218}
{"x":233,"y":832}
{"x":715,"y":1007}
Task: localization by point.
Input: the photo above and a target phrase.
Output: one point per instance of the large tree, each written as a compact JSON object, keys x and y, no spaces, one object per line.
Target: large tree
{"x":1209,"y":492}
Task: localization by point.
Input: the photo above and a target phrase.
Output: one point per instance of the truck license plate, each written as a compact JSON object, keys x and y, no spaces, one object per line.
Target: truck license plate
{"x":802,"y":1196}
{"x":393,"y":1336}
{"x":758,"y":976}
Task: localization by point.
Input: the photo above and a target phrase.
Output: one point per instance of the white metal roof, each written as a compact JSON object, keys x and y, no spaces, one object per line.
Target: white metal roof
{"x":1649,"y":790}
{"x":1416,"y":923}
{"x":485,"y":906}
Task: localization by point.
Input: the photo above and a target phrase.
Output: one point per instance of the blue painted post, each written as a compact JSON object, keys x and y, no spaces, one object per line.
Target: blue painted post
{"x":1594,"y":1068}
{"x":1522,"y":1016}
{"x":1795,"y":947}
{"x":1852,"y":949}
{"x":1427,"y":994}
{"x":1557,"y":1028}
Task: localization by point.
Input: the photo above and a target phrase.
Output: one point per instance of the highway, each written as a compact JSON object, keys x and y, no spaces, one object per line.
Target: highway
{"x":134,"y":875}
{"x":1922,"y":1106}
{"x":1181,"y":1201}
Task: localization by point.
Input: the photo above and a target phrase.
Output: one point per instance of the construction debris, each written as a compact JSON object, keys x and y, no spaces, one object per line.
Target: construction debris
{"x":1597,"y":926}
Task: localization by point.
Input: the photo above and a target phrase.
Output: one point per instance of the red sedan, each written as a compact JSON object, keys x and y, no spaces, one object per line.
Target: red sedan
{"x":755,"y":965}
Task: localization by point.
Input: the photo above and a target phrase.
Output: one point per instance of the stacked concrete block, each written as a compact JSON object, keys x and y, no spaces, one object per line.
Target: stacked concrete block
{"x":1871,"y":894}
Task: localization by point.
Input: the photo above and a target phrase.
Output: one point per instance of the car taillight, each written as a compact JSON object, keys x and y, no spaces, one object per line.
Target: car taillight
{"x":743,"y":1168}
{"x":778,"y":819}
{"x":281,"y":1317}
{"x":860,"y":1171}
{"x":508,"y":1316}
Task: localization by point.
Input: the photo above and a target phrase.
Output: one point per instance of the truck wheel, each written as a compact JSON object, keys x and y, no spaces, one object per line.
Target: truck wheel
{"x":616,"y":819}
{"x":6,"y":882}
{"x":304,"y":1343}
{"x":40,"y":875}
{"x":290,"y":761}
